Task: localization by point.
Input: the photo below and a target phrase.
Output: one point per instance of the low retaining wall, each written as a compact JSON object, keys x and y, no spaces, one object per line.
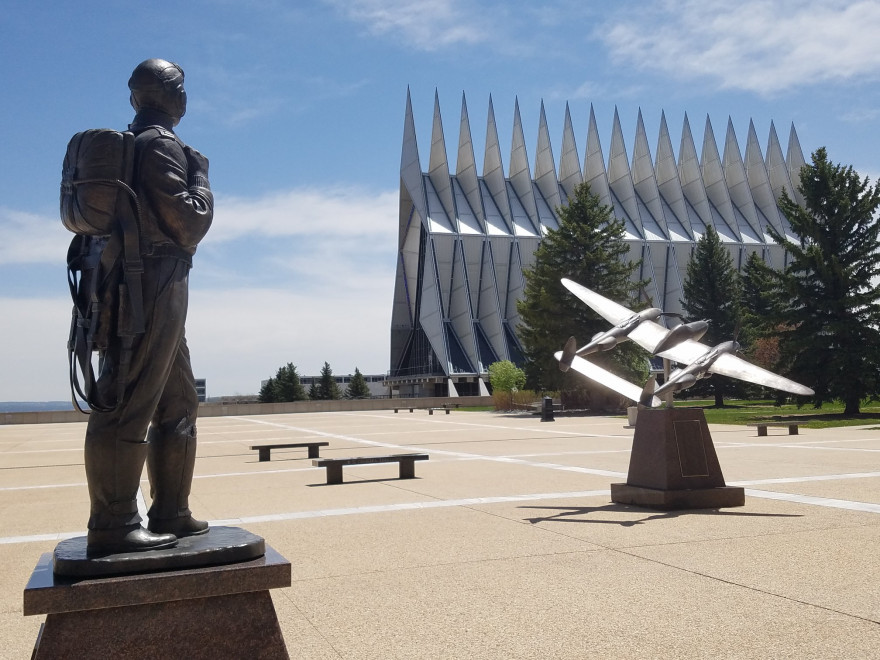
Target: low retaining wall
{"x":231,"y":409}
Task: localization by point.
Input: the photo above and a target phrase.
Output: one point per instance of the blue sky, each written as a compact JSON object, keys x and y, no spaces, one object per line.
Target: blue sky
{"x":300,"y":107}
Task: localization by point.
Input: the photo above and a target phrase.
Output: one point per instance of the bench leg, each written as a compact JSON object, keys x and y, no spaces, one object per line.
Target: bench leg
{"x":792,"y":429}
{"x":265,"y":454}
{"x":762,"y":430}
{"x":407,"y":468}
{"x":395,"y":410}
{"x":447,"y":411}
{"x":334,"y":473}
{"x":430,"y":411}
{"x":313,"y":451}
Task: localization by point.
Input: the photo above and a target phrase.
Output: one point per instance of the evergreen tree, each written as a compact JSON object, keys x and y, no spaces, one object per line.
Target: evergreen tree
{"x":759,"y":298}
{"x":267,"y":392}
{"x":287,"y":384}
{"x":712,"y":292}
{"x":357,"y":387}
{"x":830,"y":305}
{"x":314,"y":394}
{"x":327,"y":387}
{"x":588,"y":248}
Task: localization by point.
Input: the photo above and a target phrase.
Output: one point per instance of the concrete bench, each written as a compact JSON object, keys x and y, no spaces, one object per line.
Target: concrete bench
{"x":334,"y":465}
{"x":431,"y":410}
{"x":762,"y":426}
{"x":266,"y":450}
{"x":396,"y":409}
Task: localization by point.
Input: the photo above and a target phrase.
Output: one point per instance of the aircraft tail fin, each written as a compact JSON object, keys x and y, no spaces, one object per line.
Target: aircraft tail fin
{"x":568,"y":353}
{"x":648,"y":392}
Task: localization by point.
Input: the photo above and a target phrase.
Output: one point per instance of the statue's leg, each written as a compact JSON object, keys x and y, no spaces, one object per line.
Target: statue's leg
{"x":172,"y":452}
{"x":113,"y":470}
{"x":115,"y":446}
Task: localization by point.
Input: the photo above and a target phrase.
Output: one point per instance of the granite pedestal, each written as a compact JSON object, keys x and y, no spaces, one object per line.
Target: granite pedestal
{"x":212,"y":612}
{"x":673,"y":464}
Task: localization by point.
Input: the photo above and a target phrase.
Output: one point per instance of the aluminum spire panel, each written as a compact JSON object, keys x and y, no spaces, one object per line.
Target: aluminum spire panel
{"x":716,"y":188}
{"x":621,"y":184}
{"x":759,"y":182}
{"x":430,"y":309}
{"x":493,"y":170}
{"x":692,"y":182}
{"x":545,"y":166}
{"x":466,"y":173}
{"x":460,"y":311}
{"x":668,"y":183}
{"x":523,"y":209}
{"x":738,"y":187}
{"x":777,"y":168}
{"x":410,"y":167}
{"x":570,"y":174}
{"x":644,"y":181}
{"x":594,"y":167}
{"x":438,"y":168}
{"x":795,"y":160}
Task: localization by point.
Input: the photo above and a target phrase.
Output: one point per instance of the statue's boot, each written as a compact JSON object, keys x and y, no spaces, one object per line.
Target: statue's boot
{"x":114,"y":472}
{"x":171,"y":461}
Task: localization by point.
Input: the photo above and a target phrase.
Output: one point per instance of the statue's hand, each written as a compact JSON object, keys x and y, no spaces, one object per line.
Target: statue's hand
{"x":197,"y":163}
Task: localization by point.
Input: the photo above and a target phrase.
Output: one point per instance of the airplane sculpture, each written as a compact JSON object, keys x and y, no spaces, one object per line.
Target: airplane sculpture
{"x":678,"y":345}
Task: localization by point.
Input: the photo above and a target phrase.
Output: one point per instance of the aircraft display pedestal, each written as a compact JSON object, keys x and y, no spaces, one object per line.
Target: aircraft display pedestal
{"x":673,"y":464}
{"x":210,"y":612}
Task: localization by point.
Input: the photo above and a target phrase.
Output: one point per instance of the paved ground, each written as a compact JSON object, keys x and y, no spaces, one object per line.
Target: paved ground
{"x":507,"y":544}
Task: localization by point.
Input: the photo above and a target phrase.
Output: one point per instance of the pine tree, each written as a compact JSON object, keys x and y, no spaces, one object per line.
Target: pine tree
{"x":357,"y":387}
{"x":267,"y":392}
{"x":314,"y":394}
{"x":831,"y":306}
{"x":712,"y":292}
{"x":327,"y":387}
{"x":287,"y":384}
{"x":588,"y":248}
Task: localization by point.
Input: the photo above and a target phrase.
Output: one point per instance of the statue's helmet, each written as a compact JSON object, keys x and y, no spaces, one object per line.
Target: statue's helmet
{"x":158,"y":85}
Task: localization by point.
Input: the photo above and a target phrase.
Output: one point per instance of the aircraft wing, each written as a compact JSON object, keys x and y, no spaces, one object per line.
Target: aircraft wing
{"x":608,"y":379}
{"x":611,"y":311}
{"x":647,"y":334}
{"x":735,"y":367}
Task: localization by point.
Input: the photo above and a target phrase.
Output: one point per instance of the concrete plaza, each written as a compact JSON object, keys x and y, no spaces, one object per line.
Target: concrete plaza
{"x":506,"y":545}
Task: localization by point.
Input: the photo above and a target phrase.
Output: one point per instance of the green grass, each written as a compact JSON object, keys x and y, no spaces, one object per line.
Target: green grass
{"x":743,"y":412}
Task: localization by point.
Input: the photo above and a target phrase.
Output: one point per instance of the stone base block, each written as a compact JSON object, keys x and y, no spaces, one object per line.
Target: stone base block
{"x":211,"y":612}
{"x":669,"y":500}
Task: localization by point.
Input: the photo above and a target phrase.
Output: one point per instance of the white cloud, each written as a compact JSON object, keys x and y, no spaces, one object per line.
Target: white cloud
{"x":424,"y":24}
{"x":239,"y":337}
{"x":338,"y":212}
{"x":28,"y":238}
{"x":302,"y":276}
{"x":752,"y":45}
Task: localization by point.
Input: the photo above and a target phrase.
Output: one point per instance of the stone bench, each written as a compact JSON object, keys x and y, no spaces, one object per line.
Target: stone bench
{"x":334,"y":465}
{"x":396,"y":409}
{"x":431,"y":410}
{"x":762,"y":426}
{"x":266,"y":450}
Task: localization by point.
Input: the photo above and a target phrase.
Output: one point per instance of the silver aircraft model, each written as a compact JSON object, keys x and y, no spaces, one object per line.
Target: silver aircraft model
{"x":638,"y":326}
{"x":699,"y":359}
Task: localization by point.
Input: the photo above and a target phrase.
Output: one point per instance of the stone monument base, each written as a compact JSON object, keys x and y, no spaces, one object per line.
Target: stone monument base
{"x":211,"y":612}
{"x":673,"y":464}
{"x":670,"y":500}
